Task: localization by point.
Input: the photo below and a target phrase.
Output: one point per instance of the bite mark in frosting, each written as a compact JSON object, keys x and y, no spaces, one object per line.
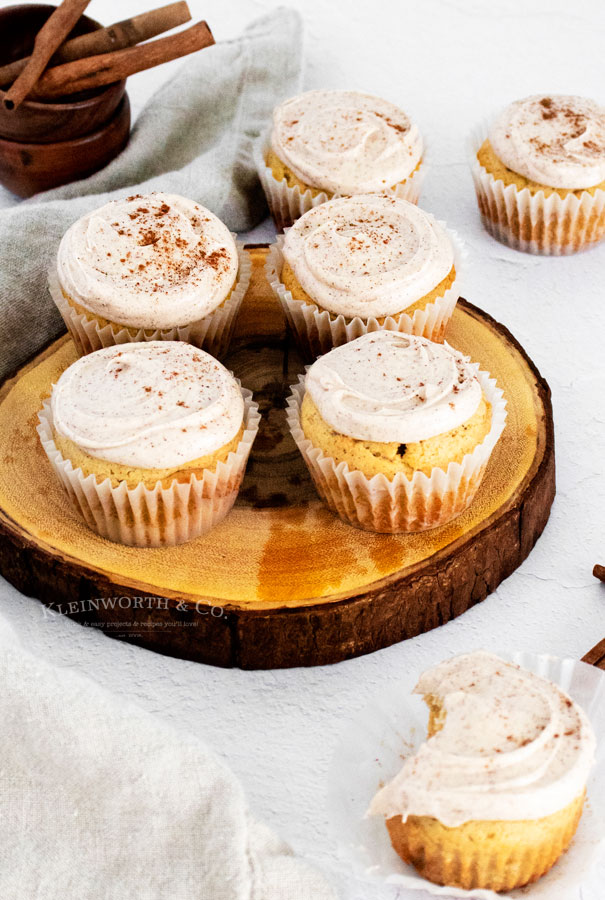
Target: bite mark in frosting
{"x":386,"y":386}
{"x":345,"y":142}
{"x":155,"y":261}
{"x":368,"y":255}
{"x":553,"y":139}
{"x":513,"y":746}
{"x":151,"y":405}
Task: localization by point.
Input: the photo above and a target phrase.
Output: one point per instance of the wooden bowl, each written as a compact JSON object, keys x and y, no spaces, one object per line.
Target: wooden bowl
{"x":27,"y":168}
{"x":39,"y":122}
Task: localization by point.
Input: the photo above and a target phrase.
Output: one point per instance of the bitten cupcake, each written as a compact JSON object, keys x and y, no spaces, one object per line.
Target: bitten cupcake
{"x":150,"y":440}
{"x":337,"y":143}
{"x":359,"y":264}
{"x":156,"y":267}
{"x":539,"y":174}
{"x":396,"y":430}
{"x":494,"y":796}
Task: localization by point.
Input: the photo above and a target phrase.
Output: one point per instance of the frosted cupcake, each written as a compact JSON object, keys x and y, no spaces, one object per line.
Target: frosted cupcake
{"x":494,"y":796}
{"x":337,"y":143}
{"x":150,"y":440}
{"x":396,"y":430}
{"x":359,"y":264}
{"x":156,"y":267}
{"x":539,"y":174}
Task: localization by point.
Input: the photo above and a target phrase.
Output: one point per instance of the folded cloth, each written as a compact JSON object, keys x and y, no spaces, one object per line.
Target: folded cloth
{"x":102,"y":801}
{"x":194,"y":138}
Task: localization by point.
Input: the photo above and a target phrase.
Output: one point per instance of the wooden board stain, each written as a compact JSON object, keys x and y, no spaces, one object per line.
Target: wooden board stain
{"x":361,"y":556}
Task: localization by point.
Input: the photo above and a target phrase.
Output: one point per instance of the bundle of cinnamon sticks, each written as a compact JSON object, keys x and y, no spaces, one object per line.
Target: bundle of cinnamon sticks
{"x":58,"y":67}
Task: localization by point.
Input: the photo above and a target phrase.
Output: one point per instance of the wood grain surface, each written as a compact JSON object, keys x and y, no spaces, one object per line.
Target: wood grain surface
{"x":281,"y":582}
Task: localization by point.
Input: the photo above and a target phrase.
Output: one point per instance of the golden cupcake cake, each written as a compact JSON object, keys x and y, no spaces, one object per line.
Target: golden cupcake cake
{"x":494,"y":796}
{"x":357,"y":264}
{"x":150,"y":440}
{"x":539,"y":173}
{"x":396,"y":430}
{"x":337,"y":143}
{"x":155,"y":267}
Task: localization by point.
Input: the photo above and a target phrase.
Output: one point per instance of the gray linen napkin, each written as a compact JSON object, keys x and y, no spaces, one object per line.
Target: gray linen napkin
{"x":102,"y":801}
{"x":194,"y":138}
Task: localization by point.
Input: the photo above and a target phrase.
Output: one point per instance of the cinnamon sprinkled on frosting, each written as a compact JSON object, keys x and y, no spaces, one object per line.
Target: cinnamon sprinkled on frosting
{"x":386,"y":386}
{"x":345,"y":142}
{"x":514,"y":746}
{"x":157,"y":261}
{"x":553,"y":139}
{"x":152,"y":405}
{"x":369,"y":255}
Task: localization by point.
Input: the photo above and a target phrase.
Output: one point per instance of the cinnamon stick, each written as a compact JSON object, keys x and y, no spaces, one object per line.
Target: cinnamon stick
{"x":596,"y":656}
{"x":107,"y":68}
{"x":114,"y":37}
{"x":51,"y":35}
{"x":599,"y":572}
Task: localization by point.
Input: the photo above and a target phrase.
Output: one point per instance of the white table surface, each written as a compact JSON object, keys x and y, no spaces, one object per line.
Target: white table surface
{"x":450,"y":64}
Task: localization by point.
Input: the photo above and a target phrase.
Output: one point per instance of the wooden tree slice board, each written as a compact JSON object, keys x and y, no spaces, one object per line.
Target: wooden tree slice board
{"x":282,"y":581}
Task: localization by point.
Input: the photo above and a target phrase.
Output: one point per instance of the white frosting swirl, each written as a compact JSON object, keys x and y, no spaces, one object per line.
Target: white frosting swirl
{"x":514,"y":746}
{"x":156,"y":261}
{"x":553,"y":139}
{"x":345,"y":142}
{"x":386,"y":386}
{"x":368,"y":255}
{"x":152,"y":405}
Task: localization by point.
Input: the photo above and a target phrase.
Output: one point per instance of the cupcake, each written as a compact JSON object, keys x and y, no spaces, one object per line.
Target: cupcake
{"x":150,"y":440}
{"x":156,"y":267}
{"x":494,"y":796}
{"x":539,"y":174}
{"x":360,"y":264}
{"x":396,"y":430}
{"x":337,"y":143}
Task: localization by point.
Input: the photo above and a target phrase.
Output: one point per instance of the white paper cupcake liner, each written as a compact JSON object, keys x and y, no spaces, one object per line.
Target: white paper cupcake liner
{"x":317,"y":331}
{"x":392,"y":726}
{"x":533,"y":223}
{"x":158,"y":516}
{"x":212,"y":333}
{"x":399,"y":504}
{"x":288,"y":204}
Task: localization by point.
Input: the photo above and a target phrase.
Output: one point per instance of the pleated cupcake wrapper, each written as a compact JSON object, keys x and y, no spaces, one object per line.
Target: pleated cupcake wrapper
{"x":399,"y":504}
{"x":158,"y":516}
{"x":391,"y":726}
{"x":287,"y":204}
{"x":317,"y":331}
{"x":212,"y":333}
{"x":533,"y":223}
